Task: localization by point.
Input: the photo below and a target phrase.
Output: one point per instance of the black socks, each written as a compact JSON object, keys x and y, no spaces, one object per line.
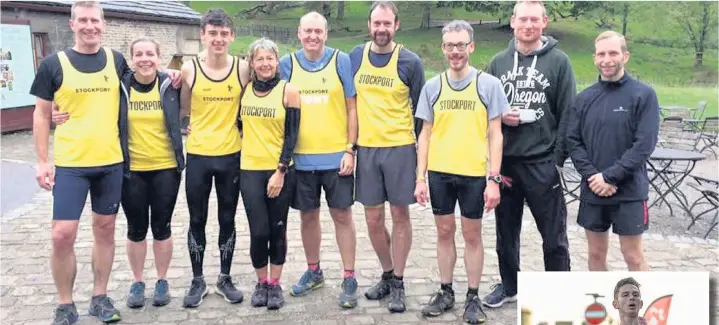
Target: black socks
{"x":447,"y":288}
{"x":388,"y":275}
{"x":473,"y":292}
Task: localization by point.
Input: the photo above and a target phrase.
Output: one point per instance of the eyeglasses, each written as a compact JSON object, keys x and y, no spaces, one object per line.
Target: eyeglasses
{"x":451,"y":46}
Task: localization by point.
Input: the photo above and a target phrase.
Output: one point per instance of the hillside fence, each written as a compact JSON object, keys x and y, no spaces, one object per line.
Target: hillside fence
{"x":278,"y":34}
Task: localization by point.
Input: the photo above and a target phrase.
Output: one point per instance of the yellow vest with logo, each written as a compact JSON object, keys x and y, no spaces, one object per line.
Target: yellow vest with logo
{"x":383,"y":104}
{"x":213,"y":113}
{"x":263,"y":128}
{"x":323,"y":126}
{"x":91,"y":137}
{"x":149,"y":141}
{"x":458,"y":144}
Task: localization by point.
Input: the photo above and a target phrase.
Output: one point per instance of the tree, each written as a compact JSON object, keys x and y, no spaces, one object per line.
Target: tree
{"x":324,"y":8}
{"x":559,"y":9}
{"x":606,"y":12}
{"x":581,"y":8}
{"x":625,"y":8}
{"x":504,"y":9}
{"x":426,"y":10}
{"x":500,"y":8}
{"x":327,"y":10}
{"x":697,"y":19}
{"x":268,"y":8}
{"x":340,"y":10}
{"x":603,"y":12}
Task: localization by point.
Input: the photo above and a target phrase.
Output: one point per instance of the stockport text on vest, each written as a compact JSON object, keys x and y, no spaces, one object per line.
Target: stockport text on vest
{"x":92,"y":90}
{"x":150,"y":105}
{"x":376,"y":80}
{"x":457,"y":104}
{"x":258,"y":111}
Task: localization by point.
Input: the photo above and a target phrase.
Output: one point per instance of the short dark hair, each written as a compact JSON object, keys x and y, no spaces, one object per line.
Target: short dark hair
{"x":216,"y":17}
{"x":624,"y":282}
{"x":384,"y":5}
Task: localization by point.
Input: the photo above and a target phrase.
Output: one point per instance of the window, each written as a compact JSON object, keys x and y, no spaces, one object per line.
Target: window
{"x":39,"y":44}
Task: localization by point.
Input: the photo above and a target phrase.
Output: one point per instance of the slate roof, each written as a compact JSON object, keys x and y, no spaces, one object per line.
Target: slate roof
{"x":160,"y":9}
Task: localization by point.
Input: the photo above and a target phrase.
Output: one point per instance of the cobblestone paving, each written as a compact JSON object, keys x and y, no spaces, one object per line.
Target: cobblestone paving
{"x":27,"y":292}
{"x":18,"y":146}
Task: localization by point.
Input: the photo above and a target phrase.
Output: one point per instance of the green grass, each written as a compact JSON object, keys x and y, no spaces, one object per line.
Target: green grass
{"x":668,"y":95}
{"x":668,"y":69}
{"x":689,"y":97}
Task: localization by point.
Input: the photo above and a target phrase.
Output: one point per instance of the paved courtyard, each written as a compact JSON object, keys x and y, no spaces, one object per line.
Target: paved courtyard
{"x":27,"y":292}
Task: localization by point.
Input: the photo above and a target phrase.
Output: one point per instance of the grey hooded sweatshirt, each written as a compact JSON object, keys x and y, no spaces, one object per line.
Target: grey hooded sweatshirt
{"x":544,"y":82}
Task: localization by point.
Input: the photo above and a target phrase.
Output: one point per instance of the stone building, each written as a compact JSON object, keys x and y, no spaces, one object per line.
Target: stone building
{"x":175,"y":26}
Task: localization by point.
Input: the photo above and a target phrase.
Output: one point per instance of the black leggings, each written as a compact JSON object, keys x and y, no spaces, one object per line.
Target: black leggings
{"x":150,"y":193}
{"x":267,"y":217}
{"x":200,"y":172}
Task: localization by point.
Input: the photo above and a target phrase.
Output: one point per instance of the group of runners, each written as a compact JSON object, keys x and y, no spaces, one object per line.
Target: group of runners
{"x":361,"y":126}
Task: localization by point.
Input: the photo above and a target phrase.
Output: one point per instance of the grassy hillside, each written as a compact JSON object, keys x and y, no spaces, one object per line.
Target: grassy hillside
{"x":669,"y":69}
{"x":355,"y":18}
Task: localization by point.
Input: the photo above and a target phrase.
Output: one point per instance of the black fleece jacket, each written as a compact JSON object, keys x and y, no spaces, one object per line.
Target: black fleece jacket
{"x":613,"y":131}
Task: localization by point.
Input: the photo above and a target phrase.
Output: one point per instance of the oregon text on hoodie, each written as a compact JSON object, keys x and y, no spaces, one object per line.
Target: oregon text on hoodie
{"x":542,"y":81}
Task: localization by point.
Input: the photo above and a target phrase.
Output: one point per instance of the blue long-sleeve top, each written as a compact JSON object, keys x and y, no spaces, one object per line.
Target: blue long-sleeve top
{"x":613,"y":130}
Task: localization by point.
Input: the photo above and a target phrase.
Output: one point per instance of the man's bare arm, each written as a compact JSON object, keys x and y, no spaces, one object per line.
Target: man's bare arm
{"x":244,"y":70}
{"x":496,"y":142}
{"x":42,"y":116}
{"x":351,"y":103}
{"x":423,"y":149}
{"x":188,"y":77}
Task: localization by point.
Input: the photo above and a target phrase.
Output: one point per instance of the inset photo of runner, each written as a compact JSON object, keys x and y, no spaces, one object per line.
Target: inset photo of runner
{"x":619,"y":298}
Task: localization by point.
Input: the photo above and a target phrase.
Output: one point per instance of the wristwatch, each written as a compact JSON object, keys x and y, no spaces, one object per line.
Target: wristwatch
{"x":351,"y":148}
{"x":282,"y":168}
{"x":495,"y":178}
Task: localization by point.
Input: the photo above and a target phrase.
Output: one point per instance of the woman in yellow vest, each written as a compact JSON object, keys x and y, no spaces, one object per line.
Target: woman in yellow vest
{"x":270,"y":115}
{"x":153,"y":165}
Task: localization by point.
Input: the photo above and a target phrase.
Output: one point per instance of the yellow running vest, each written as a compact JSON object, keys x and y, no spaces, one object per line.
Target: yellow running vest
{"x":458,"y":144}
{"x":383,"y":104}
{"x":323,"y":126}
{"x":149,"y":141}
{"x":213,"y":113}
{"x":263,"y":128}
{"x":91,"y":137}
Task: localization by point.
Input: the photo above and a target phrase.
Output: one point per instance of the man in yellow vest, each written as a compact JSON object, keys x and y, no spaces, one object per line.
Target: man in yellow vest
{"x":388,"y":79}
{"x":325,"y":152}
{"x":461,"y":147}
{"x":88,"y":153}
{"x":210,"y":93}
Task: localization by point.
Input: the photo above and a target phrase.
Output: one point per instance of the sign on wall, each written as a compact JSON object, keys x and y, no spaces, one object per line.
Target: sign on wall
{"x":17,"y":67}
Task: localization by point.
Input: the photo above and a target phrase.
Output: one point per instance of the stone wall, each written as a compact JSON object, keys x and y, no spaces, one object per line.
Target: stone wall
{"x":119,"y":33}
